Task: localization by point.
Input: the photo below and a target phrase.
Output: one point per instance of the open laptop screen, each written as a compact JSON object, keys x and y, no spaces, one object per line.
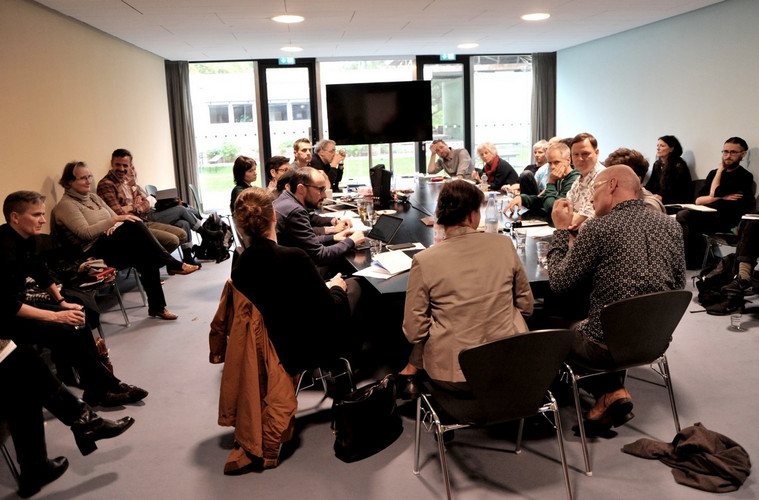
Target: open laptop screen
{"x":385,"y":228}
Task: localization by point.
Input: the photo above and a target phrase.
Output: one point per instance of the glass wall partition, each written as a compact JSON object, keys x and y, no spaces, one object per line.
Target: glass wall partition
{"x":502,"y":95}
{"x":224,"y":113}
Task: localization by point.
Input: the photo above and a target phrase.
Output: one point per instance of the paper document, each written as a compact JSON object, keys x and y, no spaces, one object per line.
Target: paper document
{"x":6,"y":347}
{"x":693,"y":206}
{"x":394,"y":262}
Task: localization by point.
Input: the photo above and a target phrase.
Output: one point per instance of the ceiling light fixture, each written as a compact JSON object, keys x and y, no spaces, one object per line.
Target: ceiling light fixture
{"x":288,"y":18}
{"x":291,"y":48}
{"x":468,"y":45}
{"x":537,"y":16}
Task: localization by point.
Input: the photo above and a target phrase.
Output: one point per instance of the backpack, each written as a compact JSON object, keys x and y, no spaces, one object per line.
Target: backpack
{"x":217,"y":247}
{"x":710,"y":281}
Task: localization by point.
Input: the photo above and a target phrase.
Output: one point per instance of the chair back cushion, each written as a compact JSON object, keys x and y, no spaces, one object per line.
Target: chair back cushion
{"x":638,"y":330}
{"x":509,"y":377}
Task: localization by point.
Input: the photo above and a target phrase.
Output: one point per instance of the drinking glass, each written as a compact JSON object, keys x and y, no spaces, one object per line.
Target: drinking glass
{"x":735,"y":322}
{"x":542,"y":252}
{"x":520,"y":237}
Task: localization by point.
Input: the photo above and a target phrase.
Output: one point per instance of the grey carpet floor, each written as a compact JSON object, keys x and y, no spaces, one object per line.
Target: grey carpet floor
{"x":177,"y":450}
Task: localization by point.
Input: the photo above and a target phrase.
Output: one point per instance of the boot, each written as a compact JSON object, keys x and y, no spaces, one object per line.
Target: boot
{"x":36,"y":475}
{"x":86,"y":425}
{"x":189,"y":258}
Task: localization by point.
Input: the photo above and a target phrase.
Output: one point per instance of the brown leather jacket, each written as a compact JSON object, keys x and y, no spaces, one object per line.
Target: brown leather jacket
{"x":257,"y":394}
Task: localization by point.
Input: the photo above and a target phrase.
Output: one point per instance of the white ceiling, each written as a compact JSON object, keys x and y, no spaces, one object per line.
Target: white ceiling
{"x":207,"y":30}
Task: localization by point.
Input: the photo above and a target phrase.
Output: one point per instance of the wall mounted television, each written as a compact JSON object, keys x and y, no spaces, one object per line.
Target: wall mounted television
{"x":375,"y":113}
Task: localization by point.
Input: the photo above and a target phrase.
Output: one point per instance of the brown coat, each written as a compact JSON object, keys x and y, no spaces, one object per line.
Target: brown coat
{"x":257,"y":394}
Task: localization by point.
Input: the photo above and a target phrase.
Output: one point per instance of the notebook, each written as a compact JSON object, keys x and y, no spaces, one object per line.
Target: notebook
{"x":166,"y":194}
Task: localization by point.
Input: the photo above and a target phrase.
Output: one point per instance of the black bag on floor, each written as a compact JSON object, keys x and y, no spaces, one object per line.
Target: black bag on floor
{"x":217,"y":247}
{"x":366,"y":421}
{"x":712,"y":278}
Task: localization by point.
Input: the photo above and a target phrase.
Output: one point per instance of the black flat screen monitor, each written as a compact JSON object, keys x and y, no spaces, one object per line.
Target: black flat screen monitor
{"x":375,"y":113}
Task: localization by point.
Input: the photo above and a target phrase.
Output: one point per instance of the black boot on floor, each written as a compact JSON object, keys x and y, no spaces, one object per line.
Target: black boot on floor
{"x":34,"y":476}
{"x":189,"y":258}
{"x":86,"y":425}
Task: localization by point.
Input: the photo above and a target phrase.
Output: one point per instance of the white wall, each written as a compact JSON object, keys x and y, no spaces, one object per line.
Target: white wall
{"x":68,"y":91}
{"x":693,"y":76}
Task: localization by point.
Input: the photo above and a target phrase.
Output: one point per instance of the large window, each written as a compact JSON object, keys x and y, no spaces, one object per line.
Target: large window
{"x":502,"y":90}
{"x":224,"y":112}
{"x":360,"y":157}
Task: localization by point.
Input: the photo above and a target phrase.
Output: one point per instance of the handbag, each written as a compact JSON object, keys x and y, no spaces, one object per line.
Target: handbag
{"x":366,"y":421}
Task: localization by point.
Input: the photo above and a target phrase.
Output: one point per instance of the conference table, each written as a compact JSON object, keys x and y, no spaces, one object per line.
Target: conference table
{"x":420,"y":204}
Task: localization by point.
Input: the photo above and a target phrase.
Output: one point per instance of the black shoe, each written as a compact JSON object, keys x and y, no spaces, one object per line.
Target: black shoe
{"x":738,"y":286}
{"x":189,"y":258}
{"x":406,"y":387}
{"x":34,"y":477}
{"x":91,"y":427}
{"x":125,"y":394}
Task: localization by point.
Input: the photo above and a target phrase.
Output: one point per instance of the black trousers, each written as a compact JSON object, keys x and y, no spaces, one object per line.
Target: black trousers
{"x":74,"y":346}
{"x":695,"y":224}
{"x":748,"y":244}
{"x":132,"y":245}
{"x":25,"y":382}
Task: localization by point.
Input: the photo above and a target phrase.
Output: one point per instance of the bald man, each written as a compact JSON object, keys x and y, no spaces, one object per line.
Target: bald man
{"x":624,"y":251}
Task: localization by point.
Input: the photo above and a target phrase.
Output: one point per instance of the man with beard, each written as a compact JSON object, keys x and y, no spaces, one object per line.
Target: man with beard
{"x":294,"y":226}
{"x":729,"y":189}
{"x":455,"y":162}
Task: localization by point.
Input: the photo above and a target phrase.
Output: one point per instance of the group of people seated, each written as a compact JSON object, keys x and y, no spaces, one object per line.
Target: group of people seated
{"x":613,"y":240}
{"x":120,"y":224}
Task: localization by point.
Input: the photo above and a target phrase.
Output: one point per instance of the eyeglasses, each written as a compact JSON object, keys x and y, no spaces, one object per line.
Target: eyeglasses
{"x":726,"y":152}
{"x":330,"y":150}
{"x":85,"y":177}
{"x":598,"y":184}
{"x":281,"y":170}
{"x":321,"y":189}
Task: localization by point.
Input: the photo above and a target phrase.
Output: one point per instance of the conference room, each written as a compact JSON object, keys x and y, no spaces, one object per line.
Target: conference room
{"x":74,"y":89}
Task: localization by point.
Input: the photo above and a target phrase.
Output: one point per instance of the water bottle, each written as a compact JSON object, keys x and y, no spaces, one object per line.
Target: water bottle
{"x":491,"y":215}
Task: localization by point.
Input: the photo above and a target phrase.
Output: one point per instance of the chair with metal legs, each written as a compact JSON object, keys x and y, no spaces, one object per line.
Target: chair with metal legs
{"x":4,"y":434}
{"x":319,"y":376}
{"x":637,"y":331}
{"x":509,"y":379}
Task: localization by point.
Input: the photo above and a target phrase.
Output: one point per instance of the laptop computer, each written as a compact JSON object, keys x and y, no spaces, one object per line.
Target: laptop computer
{"x":383,"y":230}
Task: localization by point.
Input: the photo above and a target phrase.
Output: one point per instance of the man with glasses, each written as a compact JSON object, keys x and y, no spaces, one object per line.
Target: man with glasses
{"x":624,"y":251}
{"x":295,"y":227}
{"x":584,"y":148}
{"x":559,"y":183}
{"x":729,"y":191}
{"x":329,"y":160}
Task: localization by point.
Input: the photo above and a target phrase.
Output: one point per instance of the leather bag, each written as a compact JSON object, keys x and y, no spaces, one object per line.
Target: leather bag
{"x":366,"y":421}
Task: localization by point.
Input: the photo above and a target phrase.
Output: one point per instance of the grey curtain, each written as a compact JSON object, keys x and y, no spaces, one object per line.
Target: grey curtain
{"x":182,"y":128}
{"x":543,"y":96}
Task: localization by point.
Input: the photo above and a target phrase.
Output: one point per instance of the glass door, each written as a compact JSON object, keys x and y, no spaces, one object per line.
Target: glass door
{"x":451,"y":110}
{"x":289,"y":110}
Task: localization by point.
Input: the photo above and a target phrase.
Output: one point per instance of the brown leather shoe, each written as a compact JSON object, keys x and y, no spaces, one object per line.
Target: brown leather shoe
{"x":614,"y":408}
{"x":163,"y":314}
{"x":186,"y":269}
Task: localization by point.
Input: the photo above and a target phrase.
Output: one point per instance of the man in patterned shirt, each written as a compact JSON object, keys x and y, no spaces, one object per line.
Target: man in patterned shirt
{"x":585,"y":160}
{"x":624,"y":251}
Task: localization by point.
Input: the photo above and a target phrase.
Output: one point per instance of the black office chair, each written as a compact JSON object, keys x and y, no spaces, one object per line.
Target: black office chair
{"x":637,"y":331}
{"x":509,"y":379}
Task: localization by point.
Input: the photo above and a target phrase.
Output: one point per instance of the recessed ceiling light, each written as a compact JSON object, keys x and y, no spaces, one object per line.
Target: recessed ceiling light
{"x":468,"y":45}
{"x":291,"y":48}
{"x":287,"y":18}
{"x":537,"y":16}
